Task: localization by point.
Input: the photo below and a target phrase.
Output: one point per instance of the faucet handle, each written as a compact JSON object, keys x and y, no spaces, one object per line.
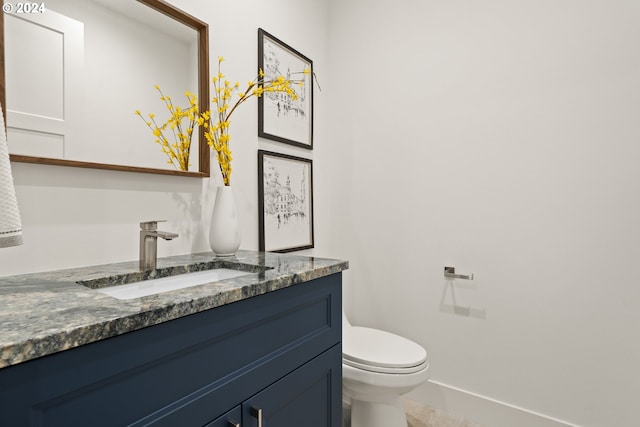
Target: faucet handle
{"x":151,"y":225}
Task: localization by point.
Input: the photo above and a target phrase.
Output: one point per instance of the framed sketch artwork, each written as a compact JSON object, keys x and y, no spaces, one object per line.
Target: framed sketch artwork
{"x":280,"y":117}
{"x":285,"y":202}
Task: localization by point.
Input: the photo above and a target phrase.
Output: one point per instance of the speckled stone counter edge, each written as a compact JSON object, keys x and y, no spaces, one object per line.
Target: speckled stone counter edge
{"x":44,"y":313}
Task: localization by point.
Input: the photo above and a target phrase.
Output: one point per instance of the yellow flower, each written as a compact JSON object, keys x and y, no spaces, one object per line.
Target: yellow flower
{"x":217,"y":125}
{"x":178,"y":152}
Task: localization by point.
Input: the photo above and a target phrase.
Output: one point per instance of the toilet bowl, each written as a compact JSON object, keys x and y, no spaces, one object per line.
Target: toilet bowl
{"x":377,"y":368}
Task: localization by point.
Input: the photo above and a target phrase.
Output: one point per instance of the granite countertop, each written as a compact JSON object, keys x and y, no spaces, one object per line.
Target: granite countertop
{"x":44,"y":313}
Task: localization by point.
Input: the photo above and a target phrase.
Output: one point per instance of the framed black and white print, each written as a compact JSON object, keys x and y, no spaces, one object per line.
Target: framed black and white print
{"x":285,"y":202}
{"x":280,"y":117}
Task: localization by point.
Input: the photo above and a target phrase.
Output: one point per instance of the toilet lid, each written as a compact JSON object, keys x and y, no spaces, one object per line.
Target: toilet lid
{"x":372,"y":348}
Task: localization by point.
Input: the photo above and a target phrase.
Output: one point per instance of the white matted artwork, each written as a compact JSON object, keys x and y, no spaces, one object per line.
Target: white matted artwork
{"x":280,"y":117}
{"x":285,"y":200}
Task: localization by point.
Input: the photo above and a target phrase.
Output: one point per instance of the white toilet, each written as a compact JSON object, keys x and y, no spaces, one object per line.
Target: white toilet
{"x":377,"y":368}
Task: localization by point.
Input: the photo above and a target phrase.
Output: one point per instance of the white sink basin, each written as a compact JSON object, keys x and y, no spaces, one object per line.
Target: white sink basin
{"x":171,"y":283}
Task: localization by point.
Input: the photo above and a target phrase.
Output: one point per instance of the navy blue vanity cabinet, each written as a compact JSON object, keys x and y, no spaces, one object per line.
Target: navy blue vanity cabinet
{"x":275,"y":356}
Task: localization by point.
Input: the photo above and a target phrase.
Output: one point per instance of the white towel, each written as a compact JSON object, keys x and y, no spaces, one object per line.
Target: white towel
{"x":10,"y":225}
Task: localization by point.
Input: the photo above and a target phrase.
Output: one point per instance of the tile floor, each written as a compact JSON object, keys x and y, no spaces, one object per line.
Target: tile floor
{"x":419,"y":415}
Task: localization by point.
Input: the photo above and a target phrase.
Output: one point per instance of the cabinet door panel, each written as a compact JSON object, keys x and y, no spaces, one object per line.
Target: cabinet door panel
{"x":310,"y":396}
{"x":230,"y":419}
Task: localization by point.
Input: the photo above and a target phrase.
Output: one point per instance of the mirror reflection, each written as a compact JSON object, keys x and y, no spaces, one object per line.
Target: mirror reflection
{"x":77,"y":73}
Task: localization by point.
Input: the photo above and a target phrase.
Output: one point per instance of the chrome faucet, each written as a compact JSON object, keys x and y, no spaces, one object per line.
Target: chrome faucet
{"x":149,"y":234}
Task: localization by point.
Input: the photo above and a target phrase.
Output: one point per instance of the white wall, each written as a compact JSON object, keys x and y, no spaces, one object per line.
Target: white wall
{"x":501,"y":138}
{"x":75,"y":217}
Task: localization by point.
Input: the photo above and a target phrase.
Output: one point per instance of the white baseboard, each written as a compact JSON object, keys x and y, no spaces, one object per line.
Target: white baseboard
{"x":479,"y":409}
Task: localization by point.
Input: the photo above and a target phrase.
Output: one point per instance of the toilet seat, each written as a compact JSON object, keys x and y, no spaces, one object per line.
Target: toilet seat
{"x":380,"y":351}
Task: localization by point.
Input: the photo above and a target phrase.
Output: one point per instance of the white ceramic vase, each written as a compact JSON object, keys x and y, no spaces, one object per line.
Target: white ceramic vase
{"x":224,"y":234}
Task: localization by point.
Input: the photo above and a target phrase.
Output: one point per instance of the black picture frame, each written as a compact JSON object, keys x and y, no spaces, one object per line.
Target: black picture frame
{"x":279,"y":117}
{"x":285,"y":202}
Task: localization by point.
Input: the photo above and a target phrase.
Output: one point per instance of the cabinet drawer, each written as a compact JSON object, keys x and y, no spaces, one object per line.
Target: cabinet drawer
{"x":183,"y":372}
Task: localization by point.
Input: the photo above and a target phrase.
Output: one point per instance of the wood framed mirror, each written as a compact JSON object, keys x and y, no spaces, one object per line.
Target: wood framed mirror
{"x":134,"y":46}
